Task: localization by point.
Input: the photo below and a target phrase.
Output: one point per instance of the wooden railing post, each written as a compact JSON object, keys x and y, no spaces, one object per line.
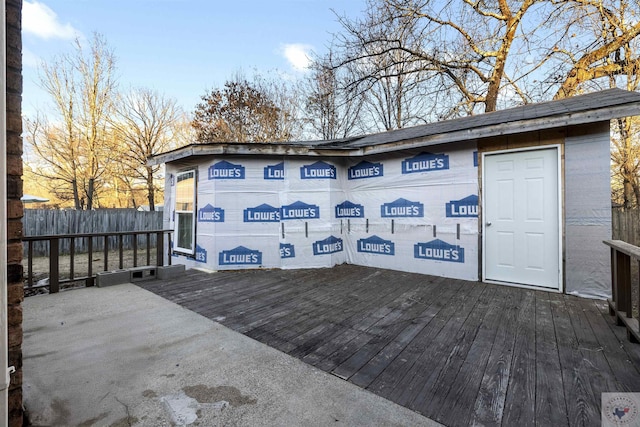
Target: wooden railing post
{"x":120,"y":251}
{"x":135,"y":250}
{"x":30,"y":264}
{"x":72,"y":254}
{"x":621,"y":302}
{"x":106,"y":253}
{"x":57,"y":246}
{"x":623,"y":283}
{"x":614,"y":296}
{"x":90,"y":280}
{"x":148,"y":248}
{"x":160,"y":248}
{"x":54,"y":265}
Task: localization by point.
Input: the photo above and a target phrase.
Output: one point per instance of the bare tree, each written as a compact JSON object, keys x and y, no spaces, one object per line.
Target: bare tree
{"x":377,"y":51}
{"x":71,"y":143}
{"x":461,"y":46}
{"x":285,"y":95}
{"x":625,"y":161}
{"x":331,"y":111}
{"x":145,"y":124}
{"x":600,"y":51}
{"x":487,"y":55}
{"x":57,"y":162}
{"x":602,"y":44}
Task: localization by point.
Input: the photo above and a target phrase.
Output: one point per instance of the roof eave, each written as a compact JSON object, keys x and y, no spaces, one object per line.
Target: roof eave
{"x":209,"y":149}
{"x":510,"y":128}
{"x":574,"y":118}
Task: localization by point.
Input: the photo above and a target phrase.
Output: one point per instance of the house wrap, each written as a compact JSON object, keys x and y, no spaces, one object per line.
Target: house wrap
{"x":518,"y":197}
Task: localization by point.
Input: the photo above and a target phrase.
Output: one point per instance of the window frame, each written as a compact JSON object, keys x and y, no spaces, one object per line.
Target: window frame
{"x":176,"y":225}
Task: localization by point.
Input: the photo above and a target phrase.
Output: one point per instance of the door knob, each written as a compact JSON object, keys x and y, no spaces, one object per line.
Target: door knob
{"x":488,"y":223}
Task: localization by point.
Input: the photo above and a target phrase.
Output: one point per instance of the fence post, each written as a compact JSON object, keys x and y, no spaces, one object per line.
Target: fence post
{"x":54,"y":265}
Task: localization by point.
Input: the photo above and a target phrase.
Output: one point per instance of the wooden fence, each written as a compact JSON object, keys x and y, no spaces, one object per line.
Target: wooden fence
{"x":41,"y":222}
{"x":625,"y":224}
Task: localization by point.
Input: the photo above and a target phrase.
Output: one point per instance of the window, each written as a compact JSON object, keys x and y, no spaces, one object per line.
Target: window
{"x":185,"y":223}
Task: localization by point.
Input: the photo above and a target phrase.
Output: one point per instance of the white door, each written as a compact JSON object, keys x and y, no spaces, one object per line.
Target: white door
{"x":521,"y":218}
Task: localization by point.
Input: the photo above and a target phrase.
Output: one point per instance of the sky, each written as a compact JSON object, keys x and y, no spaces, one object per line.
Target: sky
{"x":182,"y":48}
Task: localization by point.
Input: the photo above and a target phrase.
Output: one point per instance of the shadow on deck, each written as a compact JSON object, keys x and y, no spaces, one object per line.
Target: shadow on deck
{"x":458,"y":352}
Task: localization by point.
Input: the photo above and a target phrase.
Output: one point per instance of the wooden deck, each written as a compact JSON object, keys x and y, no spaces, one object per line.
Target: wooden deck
{"x":458,"y":352}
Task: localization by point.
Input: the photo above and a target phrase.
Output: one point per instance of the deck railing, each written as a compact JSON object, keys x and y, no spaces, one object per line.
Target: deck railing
{"x":54,"y":276}
{"x":621,"y":302}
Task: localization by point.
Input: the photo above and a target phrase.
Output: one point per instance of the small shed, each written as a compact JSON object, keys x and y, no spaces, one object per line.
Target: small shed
{"x":518,"y":197}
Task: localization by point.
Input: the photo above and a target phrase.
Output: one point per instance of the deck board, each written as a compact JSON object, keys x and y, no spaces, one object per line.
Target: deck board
{"x":453,"y":406}
{"x":519,"y":405}
{"x":435,"y":353}
{"x":582,"y":403}
{"x":551,"y":407}
{"x":462,"y":353}
{"x":488,"y":408}
{"x":443,"y":370}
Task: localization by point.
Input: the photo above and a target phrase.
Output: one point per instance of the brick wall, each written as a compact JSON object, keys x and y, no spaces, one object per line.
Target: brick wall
{"x":14,"y":205}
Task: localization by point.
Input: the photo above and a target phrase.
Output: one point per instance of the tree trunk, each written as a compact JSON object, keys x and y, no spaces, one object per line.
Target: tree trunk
{"x":76,"y":196}
{"x":90,"y":194}
{"x":636,"y":190}
{"x":151,"y":189}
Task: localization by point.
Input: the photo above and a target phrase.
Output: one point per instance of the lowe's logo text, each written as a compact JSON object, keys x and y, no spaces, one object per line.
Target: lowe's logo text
{"x":274,"y":171}
{"x":463,"y":208}
{"x":329,"y":245}
{"x":318,"y":170}
{"x":349,"y":209}
{"x":226,"y":170}
{"x":402,"y":208}
{"x":211,"y":214}
{"x":376,"y":245}
{"x":201,"y":254}
{"x":240,"y":256}
{"x":262,"y":213}
{"x":287,"y":250}
{"x":438,"y":250}
{"x":365,"y":169}
{"x":300,"y":210}
{"x":425,"y":162}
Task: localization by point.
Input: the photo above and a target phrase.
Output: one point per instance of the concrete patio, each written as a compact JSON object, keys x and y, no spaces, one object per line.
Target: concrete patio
{"x":122,"y":356}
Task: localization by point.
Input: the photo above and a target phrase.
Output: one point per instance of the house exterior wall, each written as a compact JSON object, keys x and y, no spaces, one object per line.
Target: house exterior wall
{"x":586,"y":200}
{"x":14,"y":206}
{"x":588,"y":211}
{"x":385,"y":211}
{"x":409,"y":211}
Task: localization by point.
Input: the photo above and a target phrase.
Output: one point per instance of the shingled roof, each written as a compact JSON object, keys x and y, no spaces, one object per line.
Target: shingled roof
{"x":589,"y":108}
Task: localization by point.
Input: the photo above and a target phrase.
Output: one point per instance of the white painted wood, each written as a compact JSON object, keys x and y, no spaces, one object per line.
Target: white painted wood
{"x":185,"y":212}
{"x":521,"y":218}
